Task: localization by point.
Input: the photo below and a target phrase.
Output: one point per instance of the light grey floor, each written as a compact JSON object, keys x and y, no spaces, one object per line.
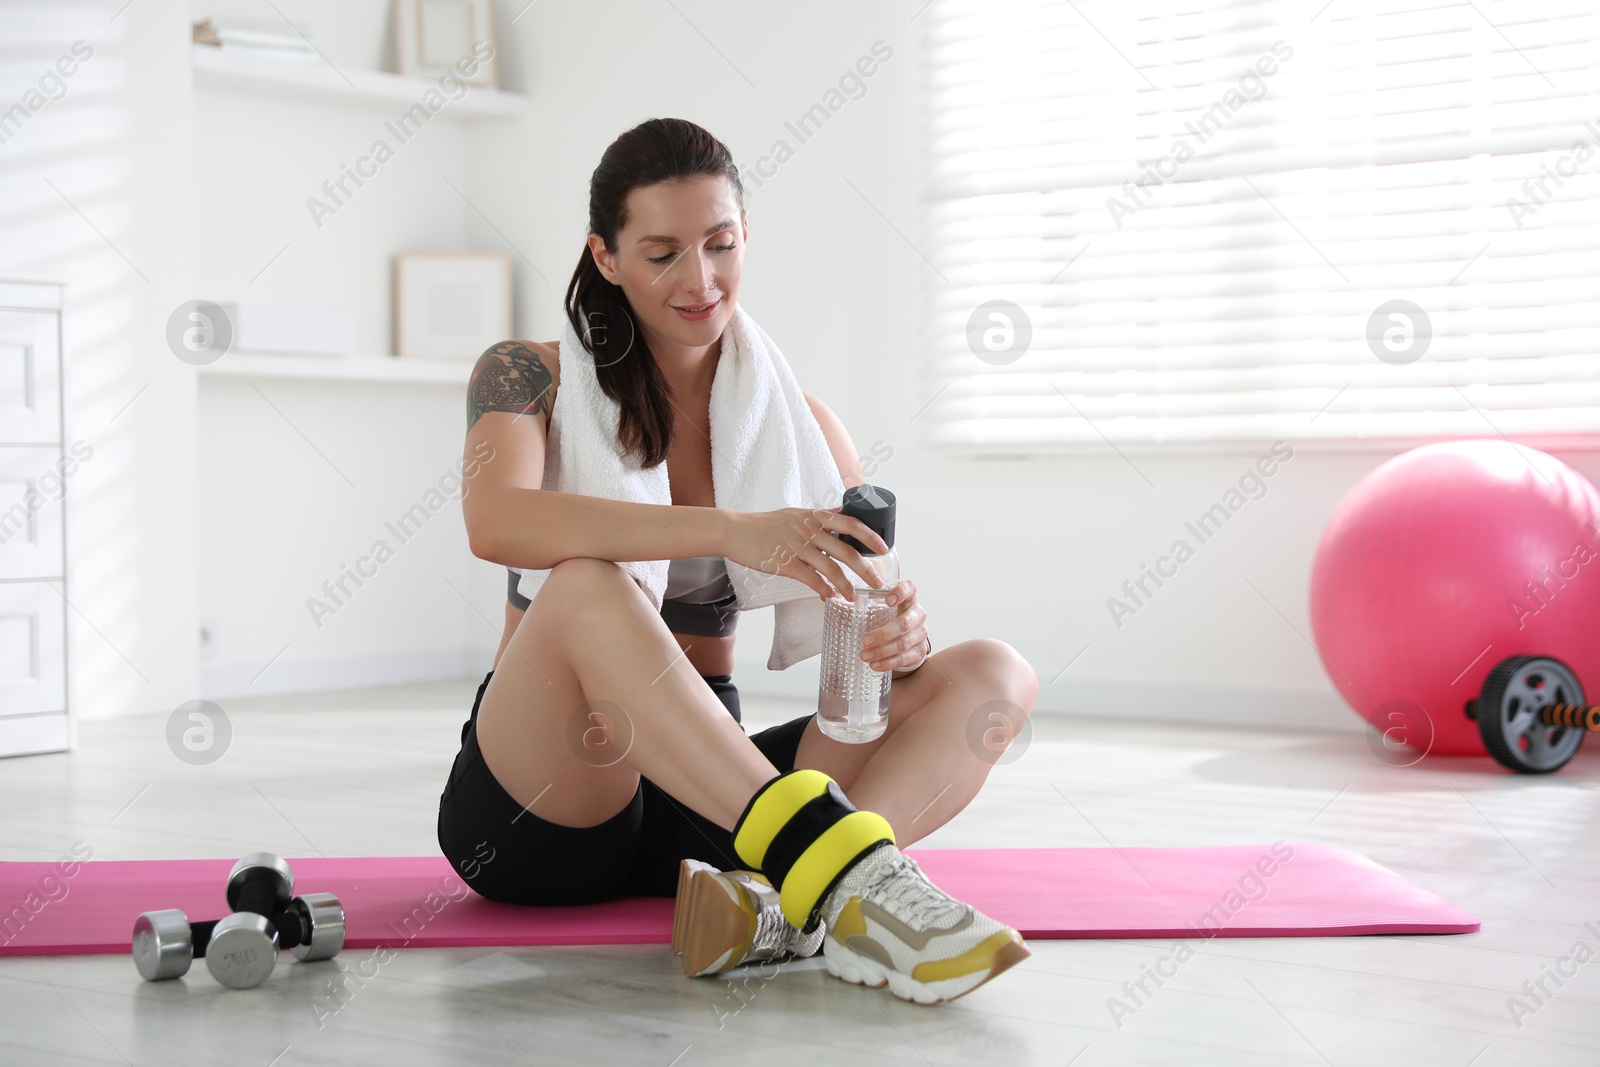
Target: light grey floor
{"x":359,"y":773}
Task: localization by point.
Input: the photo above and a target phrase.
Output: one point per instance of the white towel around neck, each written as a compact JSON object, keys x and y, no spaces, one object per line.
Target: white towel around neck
{"x":767,"y":453}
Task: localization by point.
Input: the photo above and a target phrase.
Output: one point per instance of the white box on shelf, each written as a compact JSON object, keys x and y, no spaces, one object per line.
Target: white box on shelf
{"x":298,"y":328}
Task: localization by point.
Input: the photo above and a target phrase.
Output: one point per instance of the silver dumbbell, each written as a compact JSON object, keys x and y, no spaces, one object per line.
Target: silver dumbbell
{"x":240,"y":950}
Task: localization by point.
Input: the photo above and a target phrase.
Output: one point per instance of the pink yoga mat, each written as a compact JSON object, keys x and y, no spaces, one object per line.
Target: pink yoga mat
{"x":1234,"y":891}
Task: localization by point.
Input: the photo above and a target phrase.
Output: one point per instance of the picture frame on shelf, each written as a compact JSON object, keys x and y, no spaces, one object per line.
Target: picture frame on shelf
{"x":451,"y":305}
{"x":435,"y":37}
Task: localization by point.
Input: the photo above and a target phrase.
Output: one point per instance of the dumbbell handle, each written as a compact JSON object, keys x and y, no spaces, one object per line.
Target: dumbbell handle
{"x":200,"y":936}
{"x":257,"y":895}
{"x":292,"y":933}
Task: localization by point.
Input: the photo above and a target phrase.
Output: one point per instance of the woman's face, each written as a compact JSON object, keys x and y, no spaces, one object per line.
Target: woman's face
{"x":682,"y":248}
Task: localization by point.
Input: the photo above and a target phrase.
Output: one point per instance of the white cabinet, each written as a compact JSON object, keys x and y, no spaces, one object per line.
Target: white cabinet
{"x":35,"y":468}
{"x":30,"y":368}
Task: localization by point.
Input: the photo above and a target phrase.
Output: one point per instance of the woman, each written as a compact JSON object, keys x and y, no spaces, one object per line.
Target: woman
{"x":558,"y":795}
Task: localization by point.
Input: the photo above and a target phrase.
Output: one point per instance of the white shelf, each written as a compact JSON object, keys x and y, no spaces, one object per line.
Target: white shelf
{"x":340,"y":368}
{"x":215,"y":66}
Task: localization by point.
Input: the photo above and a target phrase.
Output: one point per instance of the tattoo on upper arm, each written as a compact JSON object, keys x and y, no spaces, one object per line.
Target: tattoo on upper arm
{"x":512,"y":377}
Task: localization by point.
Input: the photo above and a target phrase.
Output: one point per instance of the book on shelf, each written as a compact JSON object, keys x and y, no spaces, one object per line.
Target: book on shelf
{"x":256,"y":37}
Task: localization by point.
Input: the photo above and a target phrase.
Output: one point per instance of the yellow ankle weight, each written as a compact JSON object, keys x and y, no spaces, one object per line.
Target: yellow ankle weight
{"x":802,"y":832}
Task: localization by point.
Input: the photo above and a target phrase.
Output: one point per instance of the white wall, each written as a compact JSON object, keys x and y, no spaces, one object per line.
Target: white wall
{"x":832,"y":274}
{"x":96,"y":190}
{"x":824,"y":275}
{"x":300,"y":477}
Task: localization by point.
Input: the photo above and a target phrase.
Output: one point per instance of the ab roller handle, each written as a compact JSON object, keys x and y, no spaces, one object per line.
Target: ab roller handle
{"x":241,"y":950}
{"x":1572,"y":716}
{"x":1566,"y":716}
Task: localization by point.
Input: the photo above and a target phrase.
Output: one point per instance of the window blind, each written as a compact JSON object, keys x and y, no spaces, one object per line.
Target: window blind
{"x":1214,"y":225}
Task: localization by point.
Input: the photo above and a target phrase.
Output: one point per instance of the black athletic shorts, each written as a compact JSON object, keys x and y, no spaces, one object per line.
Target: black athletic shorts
{"x":508,"y":854}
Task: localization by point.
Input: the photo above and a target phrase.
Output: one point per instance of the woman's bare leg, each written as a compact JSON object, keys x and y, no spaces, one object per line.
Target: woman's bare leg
{"x":593,"y":691}
{"x":949,"y":720}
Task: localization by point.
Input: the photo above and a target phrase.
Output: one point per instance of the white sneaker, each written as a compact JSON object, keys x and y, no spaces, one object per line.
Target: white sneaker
{"x":725,"y":918}
{"x":888,"y":925}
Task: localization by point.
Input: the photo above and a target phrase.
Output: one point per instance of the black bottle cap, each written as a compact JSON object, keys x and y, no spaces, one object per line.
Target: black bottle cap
{"x":873,"y":505}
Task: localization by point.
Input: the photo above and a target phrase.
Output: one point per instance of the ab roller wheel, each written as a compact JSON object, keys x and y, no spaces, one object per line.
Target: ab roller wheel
{"x":241,"y":949}
{"x":1532,"y":714}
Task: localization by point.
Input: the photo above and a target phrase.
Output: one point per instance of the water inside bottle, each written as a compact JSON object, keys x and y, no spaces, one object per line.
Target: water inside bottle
{"x":852,"y":698}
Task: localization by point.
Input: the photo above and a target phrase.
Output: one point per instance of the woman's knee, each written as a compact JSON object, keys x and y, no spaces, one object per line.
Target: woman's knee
{"x":571,"y":593}
{"x":588,"y":581}
{"x":1000,"y":665}
{"x":583,"y":572}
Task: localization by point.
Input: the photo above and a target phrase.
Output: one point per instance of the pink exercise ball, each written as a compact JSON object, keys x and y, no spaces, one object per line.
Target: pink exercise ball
{"x":1440,"y":564}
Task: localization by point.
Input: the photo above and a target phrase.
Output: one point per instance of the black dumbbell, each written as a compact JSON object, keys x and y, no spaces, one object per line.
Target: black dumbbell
{"x":240,"y":950}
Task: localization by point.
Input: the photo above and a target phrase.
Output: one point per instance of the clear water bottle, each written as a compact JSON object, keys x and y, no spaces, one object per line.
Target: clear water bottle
{"x":852,"y":698}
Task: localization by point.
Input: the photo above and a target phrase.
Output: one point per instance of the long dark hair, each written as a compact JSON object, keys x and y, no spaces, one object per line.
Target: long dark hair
{"x":656,"y":150}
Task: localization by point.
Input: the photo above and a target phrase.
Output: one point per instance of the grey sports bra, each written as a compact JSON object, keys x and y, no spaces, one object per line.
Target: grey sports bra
{"x":698,"y":599}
